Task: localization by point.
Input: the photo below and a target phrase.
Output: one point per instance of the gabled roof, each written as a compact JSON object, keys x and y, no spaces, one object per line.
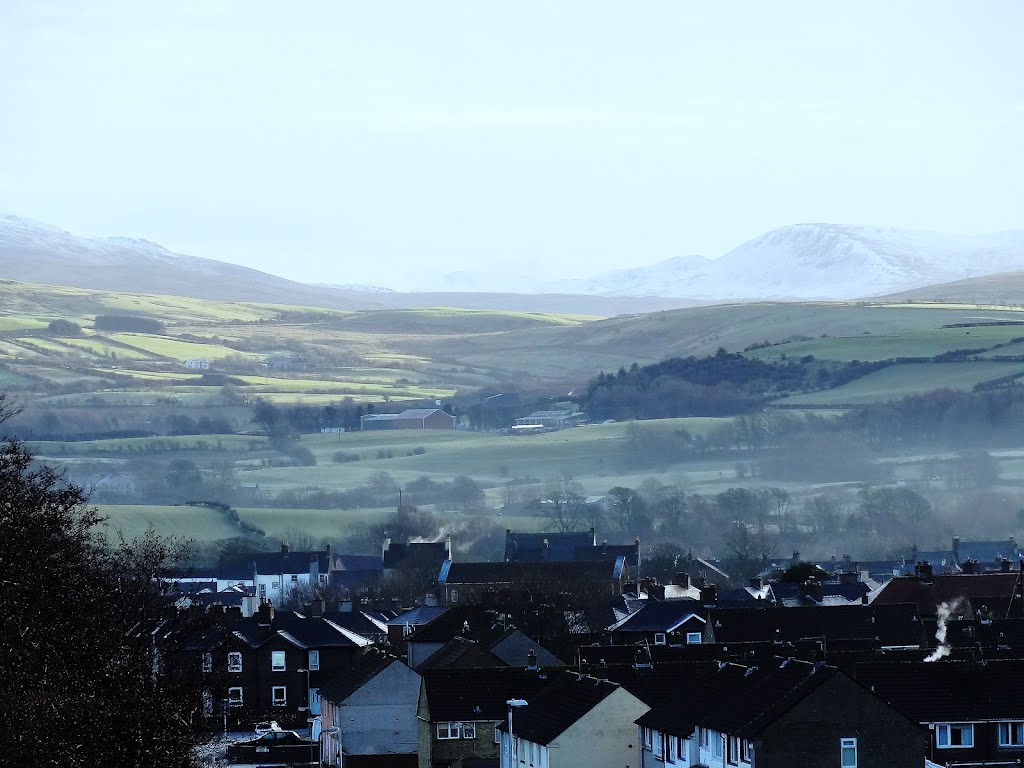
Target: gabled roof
{"x":461,"y":652}
{"x":521,"y":573}
{"x":478,"y":693}
{"x":530,"y":547}
{"x":738,"y":700}
{"x":299,"y":630}
{"x":365,"y":667}
{"x":949,"y":691}
{"x":569,"y":697}
{"x":360,"y":622}
{"x":421,"y":413}
{"x":661,"y":616}
{"x":945,"y":588}
{"x":275,"y":563}
{"x":889,"y":625}
{"x":417,"y":616}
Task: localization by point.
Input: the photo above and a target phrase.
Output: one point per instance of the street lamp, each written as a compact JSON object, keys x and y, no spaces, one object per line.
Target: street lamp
{"x":512,"y":704}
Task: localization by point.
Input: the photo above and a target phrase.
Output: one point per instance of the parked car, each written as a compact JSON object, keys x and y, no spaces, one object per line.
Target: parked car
{"x":267,"y":726}
{"x":273,"y":747}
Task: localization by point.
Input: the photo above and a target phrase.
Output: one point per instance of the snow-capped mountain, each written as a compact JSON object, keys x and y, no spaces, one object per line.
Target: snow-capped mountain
{"x":34,"y":252}
{"x":815,"y":261}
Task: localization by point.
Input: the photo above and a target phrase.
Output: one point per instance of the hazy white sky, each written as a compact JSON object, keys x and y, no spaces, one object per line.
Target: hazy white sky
{"x":381,"y":141}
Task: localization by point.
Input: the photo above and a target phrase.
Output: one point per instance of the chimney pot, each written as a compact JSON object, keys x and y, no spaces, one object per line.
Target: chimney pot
{"x":284,"y":547}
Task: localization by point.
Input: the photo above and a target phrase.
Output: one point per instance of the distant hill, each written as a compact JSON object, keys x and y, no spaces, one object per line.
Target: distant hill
{"x":34,"y":252}
{"x":817,"y":261}
{"x":1003,"y":289}
{"x":800,"y":262}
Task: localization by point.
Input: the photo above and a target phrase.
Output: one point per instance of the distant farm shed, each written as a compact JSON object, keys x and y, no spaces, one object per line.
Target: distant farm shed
{"x":550,"y":419}
{"x":412,"y":418}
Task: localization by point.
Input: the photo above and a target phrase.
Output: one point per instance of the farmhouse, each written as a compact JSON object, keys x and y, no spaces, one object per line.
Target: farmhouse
{"x":198,"y":364}
{"x":411,"y":418}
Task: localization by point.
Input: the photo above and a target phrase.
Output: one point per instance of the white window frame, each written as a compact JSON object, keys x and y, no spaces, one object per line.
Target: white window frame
{"x":647,"y":738}
{"x":694,"y":638}
{"x":497,"y":736}
{"x":236,"y":702}
{"x":1008,"y":727}
{"x":323,"y":578}
{"x":671,"y":744}
{"x":946,"y":730}
{"x":658,"y":744}
{"x":207,"y":662}
{"x":448,"y":730}
{"x":263,"y":591}
{"x":281,"y":701}
{"x":732,"y":750}
{"x":469,"y":730}
{"x":453,"y":595}
{"x":234,"y":661}
{"x":295,"y":578}
{"x":275,"y":584}
{"x":844,"y":745}
{"x":278,"y":656}
{"x":660,"y":638}
{"x":314,"y":660}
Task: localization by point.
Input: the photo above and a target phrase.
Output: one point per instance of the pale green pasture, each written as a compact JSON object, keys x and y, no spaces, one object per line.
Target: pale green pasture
{"x":20,"y":323}
{"x":909,"y":379}
{"x":215,"y":443}
{"x":100,"y":347}
{"x":910,"y":343}
{"x":180,"y":350}
{"x":197,"y":523}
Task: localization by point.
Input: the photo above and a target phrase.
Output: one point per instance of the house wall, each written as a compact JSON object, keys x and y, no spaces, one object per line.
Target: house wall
{"x":454,"y":751}
{"x":380,"y":717}
{"x":986,"y":746}
{"x":605,"y":737}
{"x":809,"y":734}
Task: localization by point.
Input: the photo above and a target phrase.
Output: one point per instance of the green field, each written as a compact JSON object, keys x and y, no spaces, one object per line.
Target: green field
{"x":909,"y":379}
{"x":198,"y":523}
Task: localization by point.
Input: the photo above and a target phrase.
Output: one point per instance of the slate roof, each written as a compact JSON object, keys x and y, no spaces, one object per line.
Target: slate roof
{"x":360,"y":622}
{"x":461,"y":652}
{"x":518,"y":573}
{"x":421,"y":413}
{"x":661,"y":616}
{"x":417,"y":616}
{"x":514,"y":647}
{"x":604,"y":551}
{"x":529,"y":547}
{"x":478,"y":693}
{"x":554,"y":709}
{"x":738,"y":700}
{"x":790,"y":593}
{"x":946,"y":588}
{"x":987,"y":552}
{"x":365,"y":667}
{"x":949,"y":691}
{"x":485,"y":626}
{"x":301,"y":631}
{"x":889,"y":625}
{"x":421,"y":553}
{"x":270,"y":563}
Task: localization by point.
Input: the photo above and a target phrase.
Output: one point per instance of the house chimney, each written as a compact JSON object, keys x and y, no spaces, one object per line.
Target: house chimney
{"x":709,"y":596}
{"x":984,"y":615}
{"x":448,"y":546}
{"x":249,"y":605}
{"x":923,"y":572}
{"x":1013,"y":545}
{"x":849,"y":578}
{"x":847,"y":562}
{"x":757,"y":583}
{"x":956,"y":549}
{"x":317,"y":607}
{"x":386,"y":546}
{"x":265,"y":614}
{"x":796,"y":556}
{"x":345,"y":606}
{"x":864,"y":599}
{"x":656,"y":591}
{"x":970,"y":566}
{"x":1004,"y":564}
{"x":284,"y":547}
{"x":329,"y":549}
{"x":681,"y":580}
{"x":545,"y":549}
{"x":813,"y":590}
{"x":531,"y":661}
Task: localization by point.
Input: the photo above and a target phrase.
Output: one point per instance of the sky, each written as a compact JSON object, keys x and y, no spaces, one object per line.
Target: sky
{"x":390,"y":143}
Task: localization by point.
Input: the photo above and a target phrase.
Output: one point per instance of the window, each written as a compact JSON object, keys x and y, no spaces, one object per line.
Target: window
{"x":646,"y":736}
{"x":234,"y":697}
{"x":314,"y":659}
{"x":263,"y":591}
{"x":497,"y":736}
{"x":716,"y":744}
{"x":694,"y":638}
{"x":657,"y":744}
{"x":954,"y":735}
{"x":746,"y":751}
{"x":295,"y":578}
{"x":234,"y":662}
{"x":314,"y":701}
{"x":705,"y":738}
{"x":277,"y":661}
{"x":681,"y":747}
{"x":1011,"y":734}
{"x":406,"y":630}
{"x":446,"y":730}
{"x":207,"y":662}
{"x":469,"y":730}
{"x":276,"y":584}
{"x":660,"y":639}
{"x":671,"y":756}
{"x":847,"y":753}
{"x":279,"y":696}
{"x":323,"y":578}
{"x":455,"y":595}
{"x":732,"y":751}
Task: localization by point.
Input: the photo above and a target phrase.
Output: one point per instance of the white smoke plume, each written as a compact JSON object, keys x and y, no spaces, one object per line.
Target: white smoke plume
{"x":944,"y":611}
